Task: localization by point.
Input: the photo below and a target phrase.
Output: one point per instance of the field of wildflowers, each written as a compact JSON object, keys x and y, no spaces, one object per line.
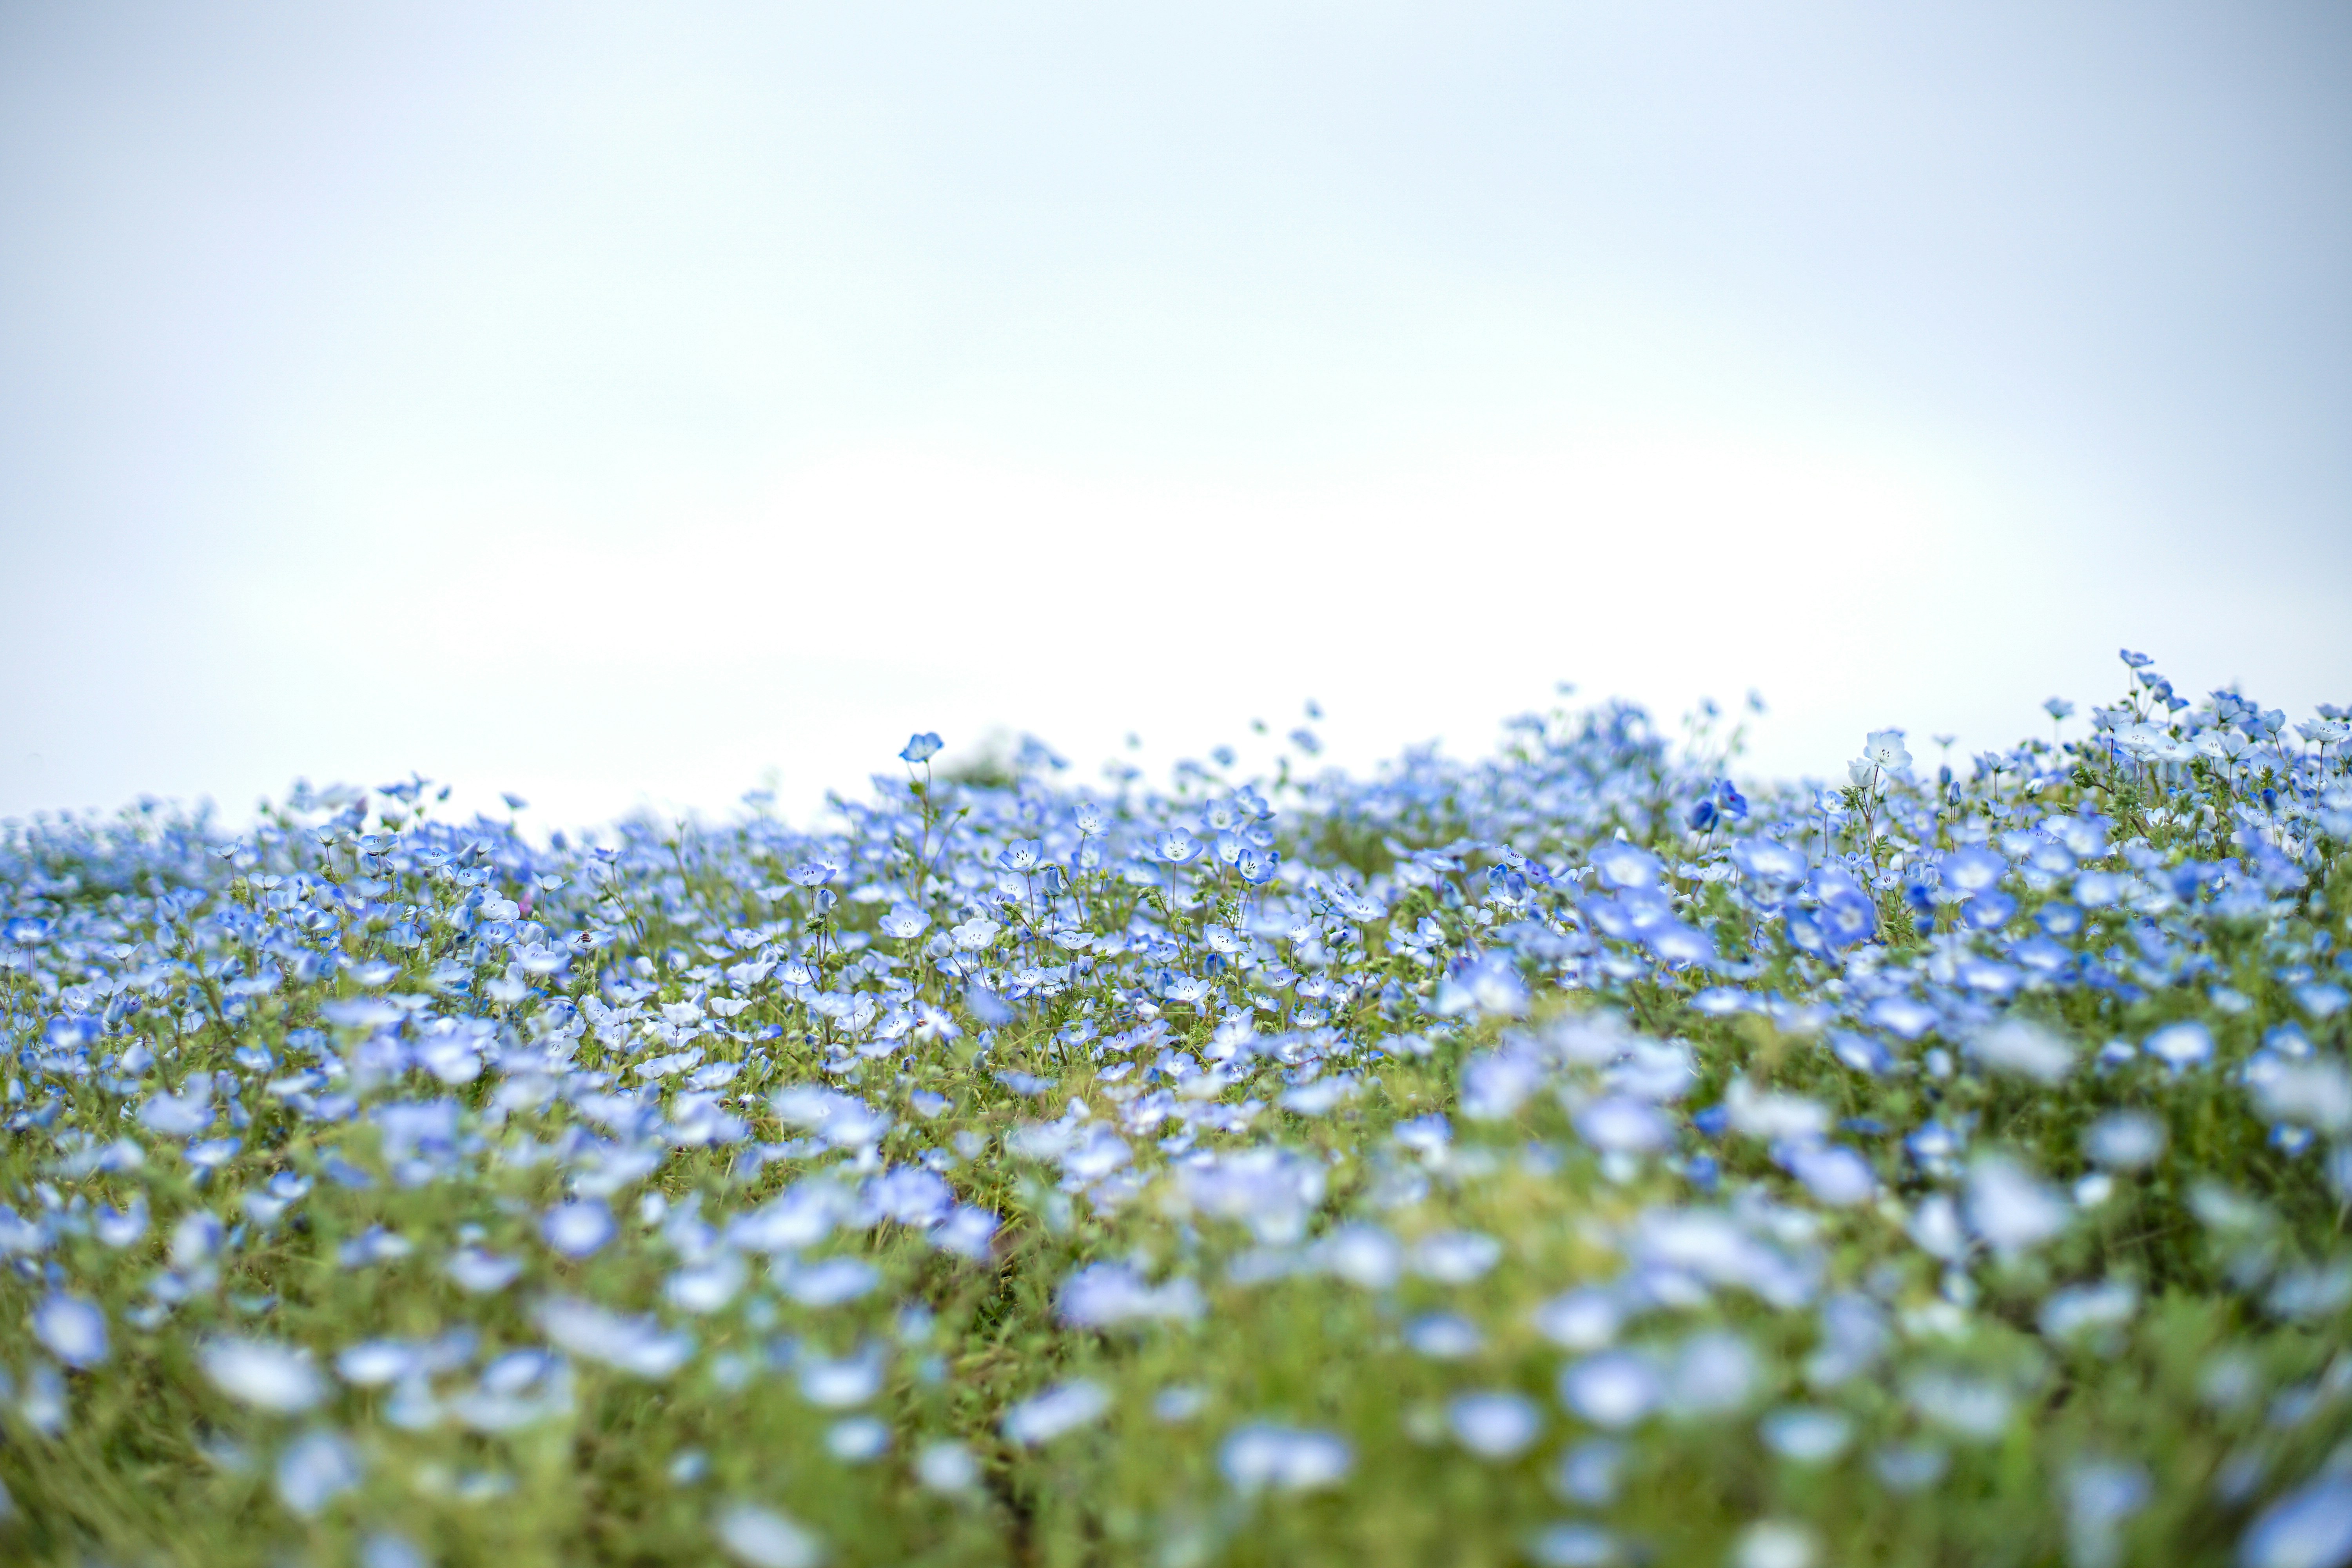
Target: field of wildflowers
{"x":1569,"y":1158}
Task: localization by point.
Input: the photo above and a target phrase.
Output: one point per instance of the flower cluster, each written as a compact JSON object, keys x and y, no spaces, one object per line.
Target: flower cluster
{"x":1573,"y":1156}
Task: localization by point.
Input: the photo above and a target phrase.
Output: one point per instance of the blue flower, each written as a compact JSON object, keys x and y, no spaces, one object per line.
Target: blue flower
{"x":1258,"y":867}
{"x":1623,"y":864}
{"x":919,"y":748}
{"x":72,"y":1329}
{"x":577,"y":1229}
{"x":1176,"y":845}
{"x":1844,"y":914}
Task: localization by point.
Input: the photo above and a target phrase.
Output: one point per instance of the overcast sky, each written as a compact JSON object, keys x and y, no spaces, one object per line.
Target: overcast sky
{"x":625,"y":403}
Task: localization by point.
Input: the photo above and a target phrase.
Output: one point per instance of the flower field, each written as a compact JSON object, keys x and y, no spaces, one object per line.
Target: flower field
{"x":1572,"y":1157}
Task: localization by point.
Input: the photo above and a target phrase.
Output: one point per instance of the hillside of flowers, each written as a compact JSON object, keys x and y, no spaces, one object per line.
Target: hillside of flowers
{"x":1573,"y":1157}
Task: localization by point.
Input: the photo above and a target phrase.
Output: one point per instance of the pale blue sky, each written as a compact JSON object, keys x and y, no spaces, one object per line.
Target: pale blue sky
{"x":614,"y":403}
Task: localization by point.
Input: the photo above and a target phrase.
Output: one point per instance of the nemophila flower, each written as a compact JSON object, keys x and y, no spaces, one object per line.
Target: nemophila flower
{"x":1179,"y":1403}
{"x":1885,"y":748}
{"x":1971,"y":1408}
{"x":1494,"y":1425}
{"x":1908,"y":1468}
{"x":977,"y":934}
{"x":120,"y":1229}
{"x":2181,"y":1046}
{"x":1776,"y":1543}
{"x":317,"y":1468}
{"x":1623,"y":864}
{"x":1855,"y":1333}
{"x":1771,"y":863}
{"x":213,"y":1153}
{"x":263,"y":1373}
{"x":1574,"y":1544}
{"x":482,"y":1273}
{"x":859,"y":1440}
{"x":2309,"y":1527}
{"x":375,"y":1245}
{"x":179,"y":1115}
{"x":830,"y":1282}
{"x":947,"y":1468}
{"x":1612,"y":1389}
{"x":761,"y":1537}
{"x":385,"y":1549}
{"x":1488,"y":984}
{"x":1773,"y":1117}
{"x":2011,"y":1209}
{"x":1059,"y":1410}
{"x":636,"y":1345}
{"x":1935,"y":1227}
{"x":1263,"y":1457}
{"x":1845,"y":914}
{"x":1806,"y":1435}
{"x":1584,"y":1319}
{"x":1176,"y":846}
{"x":2059,"y":919}
{"x":196,"y":1240}
{"x":1678,"y":946}
{"x":1972,"y":869}
{"x":1904,"y":1015}
{"x":2314,"y":1094}
{"x":841,"y":1120}
{"x":1104,"y":1294}
{"x":72,"y":1329}
{"x":1455,"y":1256}
{"x":1620,"y":1124}
{"x":842,"y":1383}
{"x":1443,"y":1336}
{"x":2323,"y":1000}
{"x":1714,"y":1372}
{"x":920,"y":748}
{"x":374,"y":1364}
{"x":1591,"y":1472}
{"x":2089,"y":1311}
{"x":1833,"y":1174}
{"x":579,"y":1228}
{"x":1361,"y":1254}
{"x":1988,"y":911}
{"x":2125,"y":1141}
{"x":704,"y":1287}
{"x":2021,"y":1047}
